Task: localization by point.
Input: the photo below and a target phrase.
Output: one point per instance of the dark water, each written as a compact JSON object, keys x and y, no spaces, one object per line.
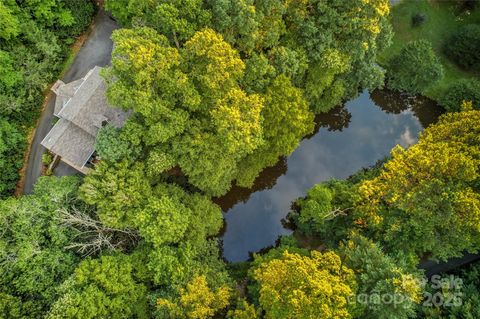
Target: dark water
{"x":346,"y":140}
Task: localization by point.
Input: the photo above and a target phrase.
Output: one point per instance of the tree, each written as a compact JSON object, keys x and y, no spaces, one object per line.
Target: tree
{"x":118,"y":191}
{"x":244,"y":311}
{"x":178,"y":20}
{"x":32,"y":241}
{"x":174,"y":266}
{"x":197,"y":301}
{"x":461,"y":90}
{"x":286,"y":120}
{"x":323,"y":88}
{"x":111,"y":145}
{"x":10,"y":26}
{"x":327,"y":211}
{"x":427,"y":195}
{"x":251,"y":26}
{"x":463,"y":47}
{"x":11,"y":141}
{"x":357,"y":29}
{"x":380,"y":276}
{"x":104,"y":287}
{"x":415,"y":68}
{"x":296,"y":286}
{"x":462,"y":292}
{"x":190,"y":103}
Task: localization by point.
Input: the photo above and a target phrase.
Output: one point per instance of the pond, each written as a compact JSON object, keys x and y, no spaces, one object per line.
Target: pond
{"x":347,"y":139}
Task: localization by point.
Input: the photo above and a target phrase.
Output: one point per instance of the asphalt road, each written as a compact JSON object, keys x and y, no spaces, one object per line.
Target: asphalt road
{"x":96,"y":50}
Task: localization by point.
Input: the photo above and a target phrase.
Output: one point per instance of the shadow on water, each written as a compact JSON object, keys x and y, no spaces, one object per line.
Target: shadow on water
{"x":346,"y":139}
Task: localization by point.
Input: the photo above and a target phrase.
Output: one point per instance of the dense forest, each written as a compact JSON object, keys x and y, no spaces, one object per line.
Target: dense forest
{"x":219,"y":90}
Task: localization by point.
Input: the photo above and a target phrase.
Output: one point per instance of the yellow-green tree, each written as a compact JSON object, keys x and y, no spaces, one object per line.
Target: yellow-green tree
{"x":197,"y":301}
{"x":296,"y":286}
{"x":426,"y":199}
{"x":286,"y":120}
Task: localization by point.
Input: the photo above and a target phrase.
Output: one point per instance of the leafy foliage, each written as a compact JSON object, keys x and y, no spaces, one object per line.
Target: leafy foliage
{"x":379,"y":275}
{"x":32,"y":241}
{"x":104,"y":287}
{"x":11,"y":140}
{"x":112,"y":145}
{"x":463,"y":47}
{"x":465,"y":298}
{"x":305,"y":286}
{"x":431,"y":188}
{"x":463,"y":90}
{"x":415,"y":68}
{"x":197,"y":301}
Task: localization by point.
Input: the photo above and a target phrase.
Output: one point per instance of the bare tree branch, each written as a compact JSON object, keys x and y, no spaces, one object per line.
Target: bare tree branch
{"x":92,"y":235}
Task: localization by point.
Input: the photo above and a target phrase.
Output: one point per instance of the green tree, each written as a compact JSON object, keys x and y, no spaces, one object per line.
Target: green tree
{"x":118,"y":191}
{"x":178,"y":20}
{"x":10,"y":26}
{"x":357,"y":29}
{"x":104,"y":287}
{"x":286,"y":120}
{"x":415,"y":68}
{"x":380,"y":276}
{"x":49,"y":12}
{"x":11,"y":160}
{"x":462,"y":292}
{"x":33,"y":259}
{"x":463,"y":47}
{"x":111,"y":145}
{"x":462,"y":90}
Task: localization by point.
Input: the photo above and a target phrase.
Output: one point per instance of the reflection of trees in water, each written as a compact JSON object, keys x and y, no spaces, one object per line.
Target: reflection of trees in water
{"x":427,"y":111}
{"x":266,"y":180}
{"x":335,"y":120}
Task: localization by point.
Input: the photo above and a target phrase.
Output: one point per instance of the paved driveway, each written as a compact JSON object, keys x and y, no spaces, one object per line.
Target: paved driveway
{"x":96,"y":50}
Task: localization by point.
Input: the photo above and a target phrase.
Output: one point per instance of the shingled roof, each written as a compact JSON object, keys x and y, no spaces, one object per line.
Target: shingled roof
{"x":82,"y":109}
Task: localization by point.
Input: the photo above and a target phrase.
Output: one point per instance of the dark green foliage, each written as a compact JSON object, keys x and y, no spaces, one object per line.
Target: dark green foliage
{"x":326,"y":212}
{"x":379,"y":275}
{"x":12,"y":143}
{"x":463,"y":297}
{"x":463,"y":47}
{"x":415,"y":68}
{"x":82,"y":12}
{"x":418,"y":19}
{"x":463,"y":90}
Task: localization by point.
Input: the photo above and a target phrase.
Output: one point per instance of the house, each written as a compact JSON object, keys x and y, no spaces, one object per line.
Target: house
{"x":82,"y":109}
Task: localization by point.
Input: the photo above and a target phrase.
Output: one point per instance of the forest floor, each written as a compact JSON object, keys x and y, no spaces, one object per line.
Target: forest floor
{"x":442,"y":19}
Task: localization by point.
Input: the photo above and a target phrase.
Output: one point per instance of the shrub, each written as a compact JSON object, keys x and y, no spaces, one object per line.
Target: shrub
{"x":463,"y":90}
{"x":418,"y":19}
{"x":463,"y":47}
{"x":47,"y":159}
{"x":415,"y":68}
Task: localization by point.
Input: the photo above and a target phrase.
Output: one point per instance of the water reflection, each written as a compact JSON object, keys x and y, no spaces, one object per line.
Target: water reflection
{"x":346,"y":139}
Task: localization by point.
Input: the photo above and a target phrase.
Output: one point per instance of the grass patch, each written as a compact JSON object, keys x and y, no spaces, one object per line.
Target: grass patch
{"x":442,"y":19}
